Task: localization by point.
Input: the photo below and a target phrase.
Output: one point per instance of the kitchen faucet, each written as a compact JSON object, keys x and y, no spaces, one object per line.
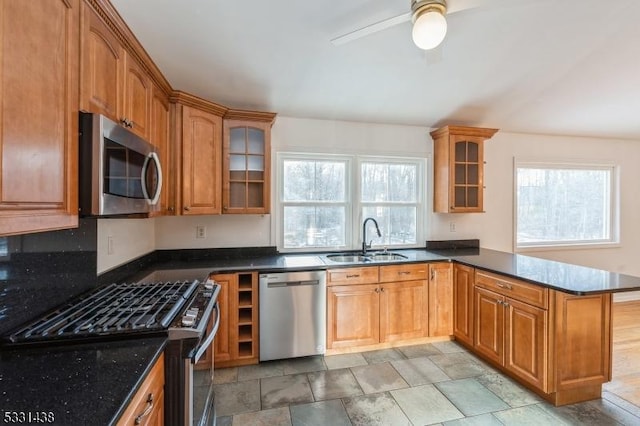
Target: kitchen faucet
{"x":365,"y":246}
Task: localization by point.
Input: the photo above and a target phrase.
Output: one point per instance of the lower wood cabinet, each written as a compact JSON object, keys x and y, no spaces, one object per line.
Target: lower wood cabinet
{"x":236,"y":342}
{"x":462,"y":288}
{"x":512,"y":334}
{"x":371,"y":305}
{"x":557,"y":344}
{"x":440,"y":299}
{"x":147,"y":405}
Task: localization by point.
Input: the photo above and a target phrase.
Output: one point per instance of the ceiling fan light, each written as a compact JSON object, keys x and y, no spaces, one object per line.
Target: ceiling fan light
{"x":429,"y":29}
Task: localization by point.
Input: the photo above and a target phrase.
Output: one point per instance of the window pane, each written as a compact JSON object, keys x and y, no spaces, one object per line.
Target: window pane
{"x":309,"y":180}
{"x":389,"y":182}
{"x":397,"y":224}
{"x":314,"y":227}
{"x":563,"y":205}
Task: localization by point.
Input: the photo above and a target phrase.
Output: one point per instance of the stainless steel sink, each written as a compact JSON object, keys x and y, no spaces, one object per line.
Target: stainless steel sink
{"x":376,"y":257}
{"x":346,"y":258}
{"x":358,"y":258}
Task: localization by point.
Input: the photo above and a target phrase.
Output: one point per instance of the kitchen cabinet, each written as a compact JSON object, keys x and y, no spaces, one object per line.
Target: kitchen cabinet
{"x":147,"y":405}
{"x":371,"y":305}
{"x":159,"y":137}
{"x":113,"y":82}
{"x":102,"y":58}
{"x":246,"y":172}
{"x":557,"y":344}
{"x":201,"y":152}
{"x":237,"y":340}
{"x":462,"y":286}
{"x":39,"y":115}
{"x":440,"y":299}
{"x":458,"y":163}
{"x":511,"y":320}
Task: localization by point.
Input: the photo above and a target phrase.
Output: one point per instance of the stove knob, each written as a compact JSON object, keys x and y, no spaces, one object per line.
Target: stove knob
{"x":188,"y":321}
{"x":209,"y":284}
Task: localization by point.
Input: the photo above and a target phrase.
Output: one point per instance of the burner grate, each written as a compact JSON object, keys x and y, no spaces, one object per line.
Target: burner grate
{"x":112,"y":310}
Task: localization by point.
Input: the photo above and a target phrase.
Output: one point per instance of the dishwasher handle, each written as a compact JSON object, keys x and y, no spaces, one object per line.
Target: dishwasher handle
{"x":292,"y":283}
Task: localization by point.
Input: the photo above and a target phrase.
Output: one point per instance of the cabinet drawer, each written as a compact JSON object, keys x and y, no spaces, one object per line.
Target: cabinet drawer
{"x":411,"y":272}
{"x":529,"y":293}
{"x":147,"y":404}
{"x":366,"y":275}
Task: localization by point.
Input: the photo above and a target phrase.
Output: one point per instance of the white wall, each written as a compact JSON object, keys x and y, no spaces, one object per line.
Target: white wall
{"x":131,"y":238}
{"x":494,"y":228}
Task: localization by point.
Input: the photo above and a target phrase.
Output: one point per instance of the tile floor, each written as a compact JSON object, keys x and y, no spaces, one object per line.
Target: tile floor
{"x":439,"y":383}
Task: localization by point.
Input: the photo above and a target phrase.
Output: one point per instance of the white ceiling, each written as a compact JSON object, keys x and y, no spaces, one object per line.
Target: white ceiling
{"x":567,"y":67}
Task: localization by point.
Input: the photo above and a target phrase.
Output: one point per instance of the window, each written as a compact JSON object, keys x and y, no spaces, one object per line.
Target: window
{"x":314,"y":201}
{"x":389,"y":193}
{"x":564,"y":204}
{"x":323,"y":201}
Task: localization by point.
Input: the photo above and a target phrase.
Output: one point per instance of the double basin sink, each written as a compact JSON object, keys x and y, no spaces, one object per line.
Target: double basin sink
{"x":360,"y":258}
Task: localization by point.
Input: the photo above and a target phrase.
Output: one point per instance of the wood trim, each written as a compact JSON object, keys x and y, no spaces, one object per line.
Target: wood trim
{"x":485,"y":133}
{"x":184,"y":98}
{"x":238,"y":114}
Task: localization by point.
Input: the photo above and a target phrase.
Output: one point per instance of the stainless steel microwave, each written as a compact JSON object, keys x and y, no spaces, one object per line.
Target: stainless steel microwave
{"x":120,"y":173}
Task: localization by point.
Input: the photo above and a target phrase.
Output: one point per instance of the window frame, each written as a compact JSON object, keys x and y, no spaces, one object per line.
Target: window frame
{"x":353,"y":214}
{"x":614,"y":208}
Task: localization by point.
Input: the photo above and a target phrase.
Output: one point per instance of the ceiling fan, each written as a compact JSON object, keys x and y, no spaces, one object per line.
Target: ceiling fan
{"x":429,"y":23}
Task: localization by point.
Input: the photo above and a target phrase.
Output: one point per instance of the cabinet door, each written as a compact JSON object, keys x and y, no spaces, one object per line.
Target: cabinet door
{"x":159,"y":137}
{"x":463,"y":277}
{"x":137,"y":98}
{"x":440,"y":299}
{"x":489,"y":324}
{"x":147,"y":404}
{"x":102,"y":67}
{"x":404,"y":310}
{"x":246,"y":167}
{"x":353,"y":315}
{"x":466,"y":173}
{"x":526,"y":342}
{"x":39,"y":115}
{"x":224,"y":341}
{"x":201,"y":162}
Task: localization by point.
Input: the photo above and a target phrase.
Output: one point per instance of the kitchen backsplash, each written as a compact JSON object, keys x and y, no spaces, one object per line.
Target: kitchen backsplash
{"x":39,"y":272}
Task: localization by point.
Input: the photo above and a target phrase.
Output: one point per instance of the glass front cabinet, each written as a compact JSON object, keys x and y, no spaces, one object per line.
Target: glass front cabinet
{"x":247,"y":164}
{"x":459,"y":168}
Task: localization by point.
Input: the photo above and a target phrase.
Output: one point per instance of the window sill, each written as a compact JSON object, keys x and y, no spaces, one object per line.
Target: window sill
{"x":568,"y":246}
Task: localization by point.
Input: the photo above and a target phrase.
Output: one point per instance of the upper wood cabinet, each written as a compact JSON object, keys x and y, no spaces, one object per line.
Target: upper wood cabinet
{"x":113,"y":81}
{"x":39,"y":115}
{"x":102,"y":63}
{"x":201,"y":151}
{"x":246,"y":168}
{"x":159,"y":136}
{"x":458,"y":159}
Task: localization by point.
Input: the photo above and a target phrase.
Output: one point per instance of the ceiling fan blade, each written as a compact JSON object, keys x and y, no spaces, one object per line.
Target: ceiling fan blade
{"x":370,"y":29}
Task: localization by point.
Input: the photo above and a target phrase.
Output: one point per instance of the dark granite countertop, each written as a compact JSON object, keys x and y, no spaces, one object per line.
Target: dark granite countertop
{"x":574,"y":279}
{"x":80,"y":384}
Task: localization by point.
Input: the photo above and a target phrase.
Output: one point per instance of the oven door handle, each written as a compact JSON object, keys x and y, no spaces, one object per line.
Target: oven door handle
{"x":207,"y":341}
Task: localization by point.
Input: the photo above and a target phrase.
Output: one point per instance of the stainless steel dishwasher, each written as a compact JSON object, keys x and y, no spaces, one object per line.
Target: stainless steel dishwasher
{"x":293,"y":314}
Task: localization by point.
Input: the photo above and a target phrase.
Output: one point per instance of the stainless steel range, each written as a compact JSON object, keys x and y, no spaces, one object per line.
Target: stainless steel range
{"x":181,"y":310}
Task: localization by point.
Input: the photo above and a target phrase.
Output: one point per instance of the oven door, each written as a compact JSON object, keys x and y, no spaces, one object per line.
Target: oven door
{"x":199,"y":395}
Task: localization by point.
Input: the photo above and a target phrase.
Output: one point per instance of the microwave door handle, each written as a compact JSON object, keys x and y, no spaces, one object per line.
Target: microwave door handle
{"x":151,"y":157}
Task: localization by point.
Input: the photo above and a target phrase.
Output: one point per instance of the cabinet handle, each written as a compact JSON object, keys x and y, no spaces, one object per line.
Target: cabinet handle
{"x":187,"y":208}
{"x":353,"y":275}
{"x":146,"y":411}
{"x":170,"y":209}
{"x":377,"y":290}
{"x":505,"y":304}
{"x":505,"y":286}
{"x":381,"y":289}
{"x":433,"y":274}
{"x":225,"y":208}
{"x":403,"y":272}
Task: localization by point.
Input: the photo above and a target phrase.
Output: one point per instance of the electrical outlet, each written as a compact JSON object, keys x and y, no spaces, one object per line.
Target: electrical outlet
{"x":110,"y":245}
{"x":452,"y":227}
{"x":201,"y":231}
